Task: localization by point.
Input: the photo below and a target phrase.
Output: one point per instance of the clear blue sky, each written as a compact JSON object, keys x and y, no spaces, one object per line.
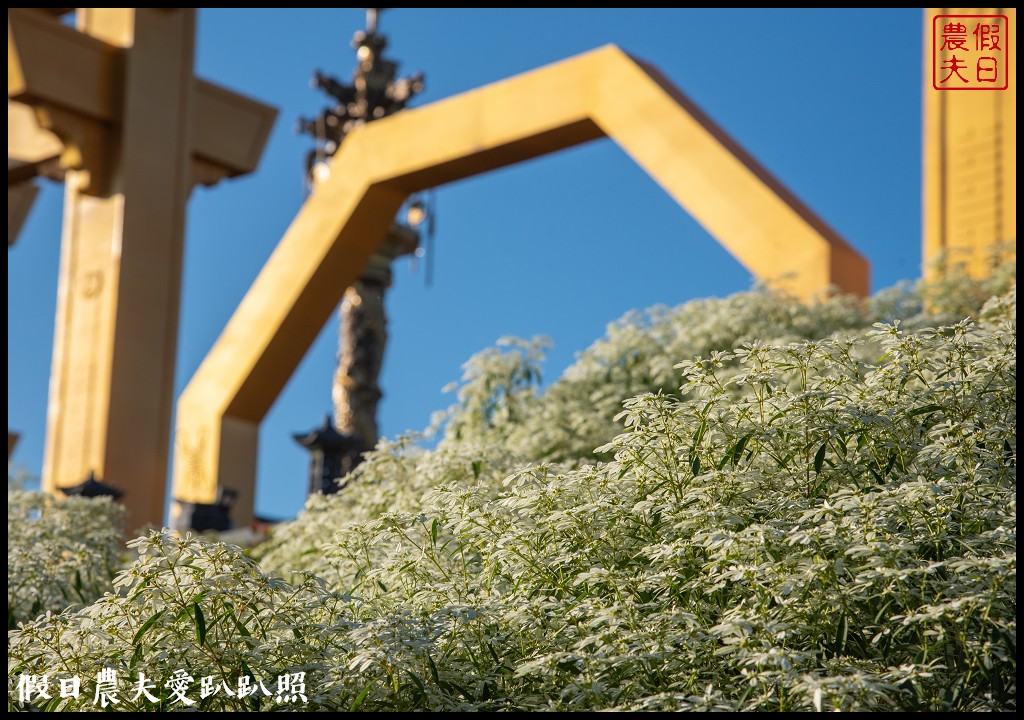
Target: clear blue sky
{"x":829,"y":101}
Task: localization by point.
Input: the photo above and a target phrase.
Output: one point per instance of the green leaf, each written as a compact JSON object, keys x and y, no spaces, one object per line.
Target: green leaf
{"x":840,"y":446}
{"x":819,"y":457}
{"x":238,"y":624}
{"x":881,"y":611}
{"x":695,"y":466}
{"x":699,"y":434}
{"x":892,"y":461}
{"x":136,"y":657}
{"x":477,"y":466}
{"x":433,"y":532}
{"x":734,"y":453}
{"x":54,"y":704}
{"x":997,"y":685}
{"x":362,"y":696}
{"x":497,"y":660}
{"x":200,"y":623}
{"x":146,"y":626}
{"x":924,"y":409}
{"x":11,"y":672}
{"x":419,"y":685}
{"x":737,"y":450}
{"x":139,"y":588}
{"x":842,"y":633}
{"x":254,"y":701}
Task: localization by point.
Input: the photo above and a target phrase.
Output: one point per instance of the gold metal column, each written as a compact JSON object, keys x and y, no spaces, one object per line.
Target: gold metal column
{"x":970,"y":161}
{"x":137,"y":131}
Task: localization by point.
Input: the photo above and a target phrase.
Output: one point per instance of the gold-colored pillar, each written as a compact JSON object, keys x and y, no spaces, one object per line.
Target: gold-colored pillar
{"x":115,"y":339}
{"x":30,"y":151}
{"x":970,"y":156}
{"x":134,"y":130}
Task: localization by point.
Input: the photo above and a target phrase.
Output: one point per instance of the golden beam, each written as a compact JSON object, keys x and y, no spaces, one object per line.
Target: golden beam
{"x":601,"y":93}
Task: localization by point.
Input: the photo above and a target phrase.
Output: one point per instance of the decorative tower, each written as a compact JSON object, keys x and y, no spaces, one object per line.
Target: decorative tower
{"x":374,"y":93}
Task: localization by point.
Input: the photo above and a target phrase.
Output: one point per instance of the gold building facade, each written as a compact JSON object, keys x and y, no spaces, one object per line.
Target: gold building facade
{"x":970,"y":140}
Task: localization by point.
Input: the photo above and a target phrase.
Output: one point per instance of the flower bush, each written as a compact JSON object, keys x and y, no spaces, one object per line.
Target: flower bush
{"x":802,"y":514}
{"x":59,"y":552}
{"x":192,"y":605}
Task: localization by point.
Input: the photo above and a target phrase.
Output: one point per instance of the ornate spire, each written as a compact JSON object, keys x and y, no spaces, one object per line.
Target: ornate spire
{"x":374,"y":93}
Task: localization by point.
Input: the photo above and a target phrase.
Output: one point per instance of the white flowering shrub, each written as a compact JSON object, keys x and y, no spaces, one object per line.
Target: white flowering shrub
{"x":954,"y":293}
{"x":394,"y":477}
{"x":502,"y":421}
{"x":60,"y":552}
{"x":187,"y":609}
{"x":810,"y":517}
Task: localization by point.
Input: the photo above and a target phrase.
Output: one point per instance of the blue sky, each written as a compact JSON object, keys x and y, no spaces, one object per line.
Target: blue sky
{"x":828,"y":100}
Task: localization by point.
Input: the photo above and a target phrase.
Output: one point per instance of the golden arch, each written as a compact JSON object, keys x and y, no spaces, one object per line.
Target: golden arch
{"x":601,"y":93}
